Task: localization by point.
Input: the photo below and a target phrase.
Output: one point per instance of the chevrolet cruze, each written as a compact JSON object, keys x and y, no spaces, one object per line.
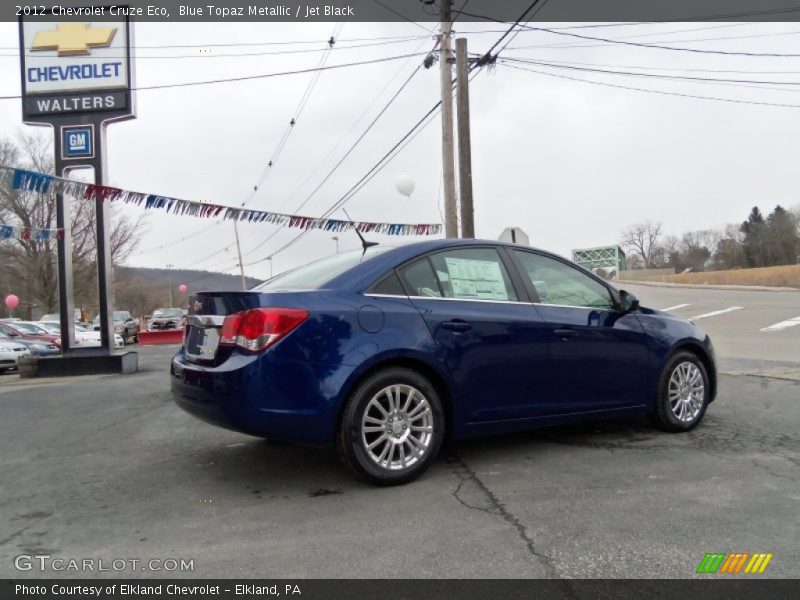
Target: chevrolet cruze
{"x":385,"y":353}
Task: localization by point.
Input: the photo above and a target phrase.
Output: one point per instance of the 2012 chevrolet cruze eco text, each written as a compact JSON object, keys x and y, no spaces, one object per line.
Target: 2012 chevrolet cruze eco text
{"x":385,"y":353}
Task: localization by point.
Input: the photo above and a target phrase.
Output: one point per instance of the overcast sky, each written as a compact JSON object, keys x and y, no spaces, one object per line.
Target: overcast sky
{"x":569,"y":162}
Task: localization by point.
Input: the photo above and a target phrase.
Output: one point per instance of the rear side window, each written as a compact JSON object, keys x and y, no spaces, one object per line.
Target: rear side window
{"x":462,"y":274}
{"x":420,"y":280}
{"x":473,"y":274}
{"x":388,"y":285}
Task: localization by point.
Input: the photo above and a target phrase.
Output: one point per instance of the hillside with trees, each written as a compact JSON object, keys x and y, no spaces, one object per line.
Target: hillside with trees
{"x":758,"y":241}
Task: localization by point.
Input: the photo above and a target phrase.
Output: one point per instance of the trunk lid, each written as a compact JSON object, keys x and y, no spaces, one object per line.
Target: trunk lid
{"x":207,"y":311}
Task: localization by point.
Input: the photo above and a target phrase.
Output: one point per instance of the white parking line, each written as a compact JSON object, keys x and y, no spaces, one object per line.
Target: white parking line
{"x":676,"y":307}
{"x":716,"y":312}
{"x":783,"y":325}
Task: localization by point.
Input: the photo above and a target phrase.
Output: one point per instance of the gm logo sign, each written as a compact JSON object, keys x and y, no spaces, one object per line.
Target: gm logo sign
{"x":77,"y":142}
{"x":735,"y":563}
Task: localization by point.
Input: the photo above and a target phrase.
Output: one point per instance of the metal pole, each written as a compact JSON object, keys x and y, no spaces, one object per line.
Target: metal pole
{"x":64,"y":245}
{"x":239,"y":251}
{"x":270,"y":267}
{"x":336,"y":239}
{"x":169,"y":284}
{"x":105,"y":290}
{"x":448,"y":166}
{"x":464,"y":144}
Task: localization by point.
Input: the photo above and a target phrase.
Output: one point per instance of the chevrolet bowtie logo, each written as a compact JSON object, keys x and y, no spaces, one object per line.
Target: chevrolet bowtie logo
{"x":73,"y":39}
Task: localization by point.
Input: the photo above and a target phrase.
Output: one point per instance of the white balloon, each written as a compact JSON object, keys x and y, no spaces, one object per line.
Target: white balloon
{"x":405,"y":185}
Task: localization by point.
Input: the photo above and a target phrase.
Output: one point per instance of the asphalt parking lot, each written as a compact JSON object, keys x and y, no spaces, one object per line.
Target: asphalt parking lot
{"x":107,"y":467}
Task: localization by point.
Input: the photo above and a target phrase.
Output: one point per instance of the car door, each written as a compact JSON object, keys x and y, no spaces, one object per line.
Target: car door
{"x":487,"y":335}
{"x":598,"y":354}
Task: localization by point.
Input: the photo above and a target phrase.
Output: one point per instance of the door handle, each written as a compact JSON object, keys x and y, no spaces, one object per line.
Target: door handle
{"x":457,"y":326}
{"x":566,"y":334}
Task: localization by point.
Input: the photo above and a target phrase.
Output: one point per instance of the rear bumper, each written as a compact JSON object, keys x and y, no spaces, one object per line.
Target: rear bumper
{"x":254,"y":394}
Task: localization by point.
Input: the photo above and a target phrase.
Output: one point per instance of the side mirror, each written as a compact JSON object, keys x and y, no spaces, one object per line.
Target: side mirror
{"x":628,"y":302}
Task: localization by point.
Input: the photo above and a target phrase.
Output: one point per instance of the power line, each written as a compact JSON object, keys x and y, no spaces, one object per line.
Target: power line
{"x":343,"y":158}
{"x":262,"y":76}
{"x":281,"y":144}
{"x":656,"y":68}
{"x":651,"y":91}
{"x":659,"y":47}
{"x":247,"y":54}
{"x":653,"y":75}
{"x":413,"y":132}
{"x":402,"y":16}
{"x":240,"y":44}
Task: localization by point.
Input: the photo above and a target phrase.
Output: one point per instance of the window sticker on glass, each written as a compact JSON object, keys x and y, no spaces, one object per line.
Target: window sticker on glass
{"x":479,"y":279}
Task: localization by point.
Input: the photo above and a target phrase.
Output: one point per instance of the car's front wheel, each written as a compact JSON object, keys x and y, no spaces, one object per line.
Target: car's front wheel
{"x":392,"y":427}
{"x":683,"y":393}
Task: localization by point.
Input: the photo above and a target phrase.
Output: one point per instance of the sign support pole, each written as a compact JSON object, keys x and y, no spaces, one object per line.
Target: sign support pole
{"x":64,"y":222}
{"x":105,"y":289}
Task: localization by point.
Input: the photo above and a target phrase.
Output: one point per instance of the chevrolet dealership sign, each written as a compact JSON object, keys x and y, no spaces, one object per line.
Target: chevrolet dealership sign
{"x":70,"y":68}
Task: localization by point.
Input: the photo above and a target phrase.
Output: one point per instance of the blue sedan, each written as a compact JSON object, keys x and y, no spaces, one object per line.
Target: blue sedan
{"x":386,"y":353}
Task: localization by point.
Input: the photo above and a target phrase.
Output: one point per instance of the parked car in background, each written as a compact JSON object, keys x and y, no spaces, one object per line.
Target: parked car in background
{"x":84,"y":338}
{"x":51,"y":317}
{"x":34,"y":347}
{"x":21,"y":331}
{"x":386,"y":353}
{"x":10,"y":354}
{"x":124,"y":324}
{"x":165,"y":318}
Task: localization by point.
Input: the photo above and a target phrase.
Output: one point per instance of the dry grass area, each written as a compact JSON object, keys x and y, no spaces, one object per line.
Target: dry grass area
{"x":785,"y":276}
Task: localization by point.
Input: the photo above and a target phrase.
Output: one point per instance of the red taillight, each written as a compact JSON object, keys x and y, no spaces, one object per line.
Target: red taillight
{"x":256,"y":329}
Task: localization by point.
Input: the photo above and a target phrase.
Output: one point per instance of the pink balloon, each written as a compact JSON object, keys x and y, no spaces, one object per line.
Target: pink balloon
{"x":183,"y":288}
{"x":12,"y":301}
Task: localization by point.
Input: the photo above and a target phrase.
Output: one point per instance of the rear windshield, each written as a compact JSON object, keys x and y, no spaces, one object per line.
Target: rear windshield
{"x":167,"y":312}
{"x":315,"y":275}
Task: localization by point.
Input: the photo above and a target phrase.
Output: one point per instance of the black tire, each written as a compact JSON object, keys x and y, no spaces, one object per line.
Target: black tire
{"x":664,"y":417}
{"x":351,"y":441}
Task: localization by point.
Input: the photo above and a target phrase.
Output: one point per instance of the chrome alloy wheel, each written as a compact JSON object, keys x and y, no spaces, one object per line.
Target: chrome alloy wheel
{"x":686,"y":391}
{"x":397,"y":427}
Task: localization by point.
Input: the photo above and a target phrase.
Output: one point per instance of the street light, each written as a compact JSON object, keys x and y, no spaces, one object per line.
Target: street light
{"x":336,"y":239}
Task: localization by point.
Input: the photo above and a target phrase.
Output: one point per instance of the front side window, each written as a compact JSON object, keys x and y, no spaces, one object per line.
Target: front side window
{"x":563,"y":285}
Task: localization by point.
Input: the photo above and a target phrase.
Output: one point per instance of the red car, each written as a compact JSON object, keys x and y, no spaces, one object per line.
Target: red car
{"x":28,"y":331}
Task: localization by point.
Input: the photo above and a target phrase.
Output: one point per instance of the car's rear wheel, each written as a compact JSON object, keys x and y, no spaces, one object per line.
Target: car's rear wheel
{"x":683,"y":393}
{"x":392,"y":427}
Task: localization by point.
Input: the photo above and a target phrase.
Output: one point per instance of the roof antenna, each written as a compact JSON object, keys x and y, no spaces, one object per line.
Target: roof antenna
{"x":364,"y":243}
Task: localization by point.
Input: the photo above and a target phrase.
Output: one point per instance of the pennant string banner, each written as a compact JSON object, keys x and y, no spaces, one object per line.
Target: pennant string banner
{"x":39,"y":182}
{"x":8,"y":232}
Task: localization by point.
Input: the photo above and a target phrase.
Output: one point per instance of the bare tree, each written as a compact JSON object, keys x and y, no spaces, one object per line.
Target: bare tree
{"x":29,"y":266}
{"x":643,"y":240}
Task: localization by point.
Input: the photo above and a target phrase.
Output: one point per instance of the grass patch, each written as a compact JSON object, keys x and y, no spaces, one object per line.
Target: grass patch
{"x":783,"y":276}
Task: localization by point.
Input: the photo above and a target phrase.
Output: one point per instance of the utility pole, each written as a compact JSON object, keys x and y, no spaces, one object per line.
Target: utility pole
{"x":239,"y":251}
{"x":448,"y":166}
{"x":169,"y":284}
{"x":464,"y":144}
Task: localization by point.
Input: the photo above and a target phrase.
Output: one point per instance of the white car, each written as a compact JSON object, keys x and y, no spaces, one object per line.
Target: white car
{"x":85,"y":338}
{"x":10,"y":353}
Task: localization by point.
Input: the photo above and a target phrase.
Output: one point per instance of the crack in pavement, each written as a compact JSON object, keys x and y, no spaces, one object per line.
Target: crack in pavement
{"x":465,"y":474}
{"x":16,"y":534}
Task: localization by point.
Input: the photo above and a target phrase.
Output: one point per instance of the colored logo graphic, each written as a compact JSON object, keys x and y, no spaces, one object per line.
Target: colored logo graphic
{"x":734,"y":563}
{"x":73,"y":39}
